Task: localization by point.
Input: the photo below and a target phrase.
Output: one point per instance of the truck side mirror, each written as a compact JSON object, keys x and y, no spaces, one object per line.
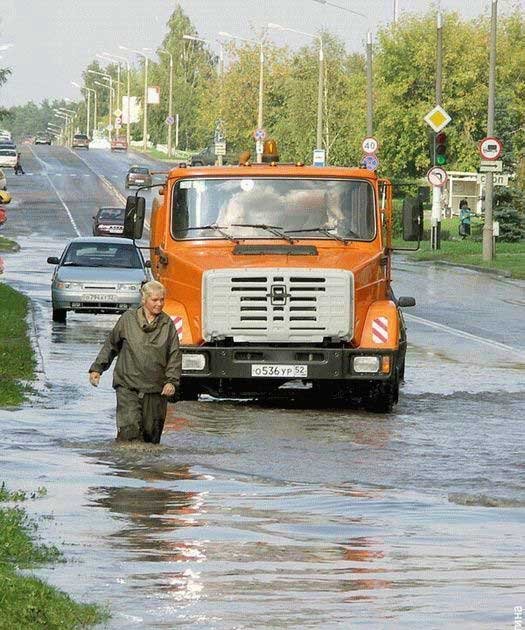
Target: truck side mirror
{"x":412,"y":219}
{"x":134,"y":217}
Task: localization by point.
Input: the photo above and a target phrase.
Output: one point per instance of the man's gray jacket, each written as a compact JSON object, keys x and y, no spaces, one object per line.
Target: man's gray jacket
{"x":148,"y":353}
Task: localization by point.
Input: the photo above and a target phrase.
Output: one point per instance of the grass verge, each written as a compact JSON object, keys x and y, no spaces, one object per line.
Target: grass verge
{"x":178,"y":156}
{"x":509,"y":257}
{"x":7,"y":245}
{"x":17,"y":363}
{"x":27,"y":603}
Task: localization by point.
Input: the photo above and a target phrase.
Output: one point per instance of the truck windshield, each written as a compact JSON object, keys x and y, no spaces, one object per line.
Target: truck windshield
{"x":303,"y":208}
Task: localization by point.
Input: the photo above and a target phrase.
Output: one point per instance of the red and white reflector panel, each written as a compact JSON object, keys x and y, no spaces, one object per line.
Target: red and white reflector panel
{"x":178,"y":326}
{"x":380,"y":330}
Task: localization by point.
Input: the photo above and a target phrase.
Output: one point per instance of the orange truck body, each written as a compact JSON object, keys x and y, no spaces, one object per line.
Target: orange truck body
{"x":365,"y":363}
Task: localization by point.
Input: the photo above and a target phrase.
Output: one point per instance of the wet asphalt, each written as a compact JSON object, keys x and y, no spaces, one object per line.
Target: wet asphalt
{"x":275,"y":516}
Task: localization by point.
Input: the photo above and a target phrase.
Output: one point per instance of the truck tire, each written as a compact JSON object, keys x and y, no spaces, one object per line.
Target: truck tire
{"x":59,"y":315}
{"x":384,"y":395}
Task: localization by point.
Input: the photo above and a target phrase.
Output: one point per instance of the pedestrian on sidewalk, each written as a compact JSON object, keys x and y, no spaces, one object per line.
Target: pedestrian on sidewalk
{"x":148,"y":366}
{"x":18,"y":166}
{"x":465,"y":215}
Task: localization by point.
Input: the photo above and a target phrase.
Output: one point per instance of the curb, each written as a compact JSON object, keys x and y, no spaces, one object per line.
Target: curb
{"x":503,"y":273}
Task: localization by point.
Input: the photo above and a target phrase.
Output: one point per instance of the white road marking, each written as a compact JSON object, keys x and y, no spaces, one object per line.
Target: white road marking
{"x":464,"y":335}
{"x":57,"y":193}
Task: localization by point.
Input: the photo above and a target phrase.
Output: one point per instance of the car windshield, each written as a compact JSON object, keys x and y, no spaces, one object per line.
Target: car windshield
{"x":111,"y":213}
{"x":102,"y":255}
{"x":9,"y":152}
{"x":139,"y":169}
{"x":246,"y":208}
{"x":80,"y":137}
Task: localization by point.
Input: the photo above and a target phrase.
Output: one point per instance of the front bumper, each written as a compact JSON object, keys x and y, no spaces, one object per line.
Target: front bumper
{"x":321,"y":363}
{"x":82,"y":301}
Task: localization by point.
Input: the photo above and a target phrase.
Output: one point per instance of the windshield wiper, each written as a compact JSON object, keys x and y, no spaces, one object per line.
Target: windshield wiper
{"x":276,"y":230}
{"x":68,"y":263}
{"x":322,"y":230}
{"x":217,"y":228}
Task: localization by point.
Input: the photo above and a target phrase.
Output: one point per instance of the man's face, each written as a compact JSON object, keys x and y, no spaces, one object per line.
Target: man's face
{"x":154,"y":303}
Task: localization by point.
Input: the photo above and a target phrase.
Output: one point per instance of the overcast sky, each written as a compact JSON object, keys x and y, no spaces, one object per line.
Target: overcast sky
{"x":54,"y":40}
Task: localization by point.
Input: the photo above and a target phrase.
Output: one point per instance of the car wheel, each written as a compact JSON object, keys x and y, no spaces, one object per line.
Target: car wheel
{"x":59,"y":315}
{"x":197,"y":163}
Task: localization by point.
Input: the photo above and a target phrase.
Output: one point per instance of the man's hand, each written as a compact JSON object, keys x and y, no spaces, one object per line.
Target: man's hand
{"x":168,"y":390}
{"x":94,"y":378}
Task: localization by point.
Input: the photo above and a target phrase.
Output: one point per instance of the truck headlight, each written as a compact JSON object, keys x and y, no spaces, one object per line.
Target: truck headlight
{"x":128,"y":287}
{"x":366,"y":365}
{"x":193,"y":362}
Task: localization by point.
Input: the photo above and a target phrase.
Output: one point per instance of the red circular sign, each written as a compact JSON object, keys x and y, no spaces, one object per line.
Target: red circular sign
{"x":490,"y":148}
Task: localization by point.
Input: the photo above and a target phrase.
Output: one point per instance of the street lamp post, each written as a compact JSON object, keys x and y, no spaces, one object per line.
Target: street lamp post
{"x":193,"y":38}
{"x":128,"y":81}
{"x":60,"y":114}
{"x":320,"y":90}
{"x":111,"y":98}
{"x":107,"y":76}
{"x":259,"y":43}
{"x":145,"y":104}
{"x":170,"y":101}
{"x":369,"y":101}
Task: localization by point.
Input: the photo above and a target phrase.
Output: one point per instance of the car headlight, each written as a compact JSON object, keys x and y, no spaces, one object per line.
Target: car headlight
{"x":128,"y":287}
{"x":194,"y":362}
{"x":366,"y":365}
{"x":68,"y":285}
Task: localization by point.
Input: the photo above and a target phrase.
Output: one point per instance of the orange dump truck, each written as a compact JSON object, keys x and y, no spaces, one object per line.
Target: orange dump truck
{"x":279,"y":275}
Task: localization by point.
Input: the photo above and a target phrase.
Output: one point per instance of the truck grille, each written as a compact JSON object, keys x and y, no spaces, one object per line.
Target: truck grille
{"x":277,"y":304}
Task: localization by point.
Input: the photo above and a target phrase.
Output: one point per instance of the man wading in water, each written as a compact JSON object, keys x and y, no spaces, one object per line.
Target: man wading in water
{"x":148,"y":366}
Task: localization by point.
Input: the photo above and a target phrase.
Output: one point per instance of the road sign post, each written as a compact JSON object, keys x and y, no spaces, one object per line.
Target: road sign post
{"x":319,"y":157}
{"x":370,"y":162}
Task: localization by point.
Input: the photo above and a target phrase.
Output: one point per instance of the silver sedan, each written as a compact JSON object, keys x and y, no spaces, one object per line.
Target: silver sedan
{"x":97,"y":275}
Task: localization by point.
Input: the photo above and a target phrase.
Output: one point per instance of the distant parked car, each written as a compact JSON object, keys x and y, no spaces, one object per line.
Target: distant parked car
{"x":8,"y":157}
{"x":80,"y":141}
{"x":97,"y":275}
{"x":119,"y":144}
{"x":109,"y":222}
{"x":42,"y":139}
{"x":138,"y":176}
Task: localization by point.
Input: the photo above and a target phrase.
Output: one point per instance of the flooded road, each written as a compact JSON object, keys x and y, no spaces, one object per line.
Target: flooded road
{"x":260,"y":516}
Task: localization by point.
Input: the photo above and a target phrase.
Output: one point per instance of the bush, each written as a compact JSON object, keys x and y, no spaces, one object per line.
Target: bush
{"x":509,"y":211}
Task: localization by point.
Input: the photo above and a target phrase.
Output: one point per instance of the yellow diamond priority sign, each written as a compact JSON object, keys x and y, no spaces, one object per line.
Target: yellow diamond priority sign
{"x":437,"y":118}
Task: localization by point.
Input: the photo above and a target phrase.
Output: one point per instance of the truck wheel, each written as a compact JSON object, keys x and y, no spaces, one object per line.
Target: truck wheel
{"x":59,"y":315}
{"x":384,"y":395}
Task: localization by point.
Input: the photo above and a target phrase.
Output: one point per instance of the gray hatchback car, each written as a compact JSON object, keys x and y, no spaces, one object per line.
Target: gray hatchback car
{"x":97,"y":275}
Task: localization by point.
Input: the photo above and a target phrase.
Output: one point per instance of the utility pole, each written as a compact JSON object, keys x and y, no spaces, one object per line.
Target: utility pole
{"x":320,"y":94}
{"x":488,"y":228}
{"x":435,"y":233}
{"x":369,"y":96}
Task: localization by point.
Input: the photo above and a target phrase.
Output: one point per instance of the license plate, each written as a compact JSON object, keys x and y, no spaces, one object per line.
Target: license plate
{"x":100,"y":297}
{"x":280,"y":371}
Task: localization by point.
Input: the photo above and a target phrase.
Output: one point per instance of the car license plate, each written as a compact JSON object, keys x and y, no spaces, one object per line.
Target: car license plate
{"x":280,"y":371}
{"x":100,"y":297}
{"x":139,"y":181}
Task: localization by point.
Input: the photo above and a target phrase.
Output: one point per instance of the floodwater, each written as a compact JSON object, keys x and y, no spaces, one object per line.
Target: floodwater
{"x":261,"y":516}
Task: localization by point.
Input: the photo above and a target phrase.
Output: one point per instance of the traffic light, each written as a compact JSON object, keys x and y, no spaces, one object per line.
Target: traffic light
{"x":440,"y":148}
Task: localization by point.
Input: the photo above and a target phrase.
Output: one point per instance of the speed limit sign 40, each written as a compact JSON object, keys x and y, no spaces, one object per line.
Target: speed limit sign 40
{"x":370,"y":145}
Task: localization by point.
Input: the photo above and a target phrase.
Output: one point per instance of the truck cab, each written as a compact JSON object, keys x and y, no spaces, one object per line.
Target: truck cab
{"x":279,"y":275}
